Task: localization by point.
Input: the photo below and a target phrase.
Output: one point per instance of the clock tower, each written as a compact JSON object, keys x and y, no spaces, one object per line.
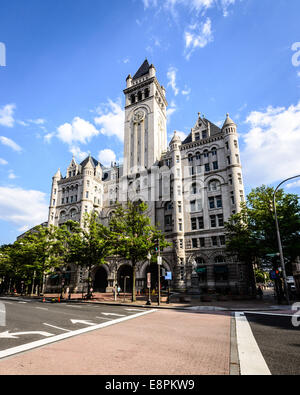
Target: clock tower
{"x":145,"y":134}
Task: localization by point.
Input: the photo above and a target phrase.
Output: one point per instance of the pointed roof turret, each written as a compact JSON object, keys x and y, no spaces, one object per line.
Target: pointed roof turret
{"x":143,"y":70}
{"x":228,"y":121}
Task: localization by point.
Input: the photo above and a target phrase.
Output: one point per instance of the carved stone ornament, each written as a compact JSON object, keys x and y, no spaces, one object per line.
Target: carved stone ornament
{"x":139,"y":116}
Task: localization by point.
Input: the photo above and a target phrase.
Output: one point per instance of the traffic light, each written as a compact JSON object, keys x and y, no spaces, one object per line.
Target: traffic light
{"x":156,"y":246}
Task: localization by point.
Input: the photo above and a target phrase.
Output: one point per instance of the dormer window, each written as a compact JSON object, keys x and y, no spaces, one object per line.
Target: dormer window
{"x":204,"y":134}
{"x":197,"y":136}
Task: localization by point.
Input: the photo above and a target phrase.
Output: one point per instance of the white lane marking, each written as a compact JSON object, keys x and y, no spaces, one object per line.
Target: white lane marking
{"x":39,"y":343}
{"x":22,"y":302}
{"x":251,"y":360}
{"x":85,"y":322}
{"x":57,"y":327}
{"x":8,"y":335}
{"x":42,"y":308}
{"x":114,"y":314}
{"x":2,"y":314}
{"x":133,"y":310}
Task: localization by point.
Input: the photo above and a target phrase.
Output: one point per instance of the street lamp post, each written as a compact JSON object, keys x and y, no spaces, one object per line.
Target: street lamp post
{"x":279,"y":239}
{"x":149,"y":287}
{"x":125,"y":286}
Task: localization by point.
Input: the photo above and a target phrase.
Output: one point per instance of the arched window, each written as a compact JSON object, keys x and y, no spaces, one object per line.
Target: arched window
{"x":190,"y":157}
{"x":140,"y":96}
{"x":220,"y":259}
{"x":198,"y":156}
{"x":132,"y":99}
{"x":214,"y":151}
{"x":147,"y":93}
{"x":200,"y":260}
{"x":62,"y":215}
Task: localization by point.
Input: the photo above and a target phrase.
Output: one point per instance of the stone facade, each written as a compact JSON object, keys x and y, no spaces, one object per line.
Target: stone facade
{"x":191,"y":187}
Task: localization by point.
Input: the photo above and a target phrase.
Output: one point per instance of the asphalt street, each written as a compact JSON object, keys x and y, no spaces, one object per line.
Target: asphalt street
{"x":278,"y":340}
{"x":27,"y":321}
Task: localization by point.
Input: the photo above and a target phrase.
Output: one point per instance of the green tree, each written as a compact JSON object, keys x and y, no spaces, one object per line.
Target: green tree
{"x":251,"y":233}
{"x":133,"y":235}
{"x":89,"y":245}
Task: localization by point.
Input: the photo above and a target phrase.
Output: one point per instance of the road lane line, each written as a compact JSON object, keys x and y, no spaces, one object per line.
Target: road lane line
{"x":41,"y":308}
{"x":251,"y":360}
{"x":57,"y":327}
{"x":43,"y":342}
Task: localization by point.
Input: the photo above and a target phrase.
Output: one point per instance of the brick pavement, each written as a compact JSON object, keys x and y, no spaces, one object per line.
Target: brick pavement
{"x":166,"y":342}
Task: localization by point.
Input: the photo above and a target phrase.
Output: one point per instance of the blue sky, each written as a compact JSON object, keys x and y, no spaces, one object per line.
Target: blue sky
{"x":65,"y":69}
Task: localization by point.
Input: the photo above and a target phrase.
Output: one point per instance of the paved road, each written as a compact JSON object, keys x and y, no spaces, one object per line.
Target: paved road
{"x":278,"y":340}
{"x":24,"y":322}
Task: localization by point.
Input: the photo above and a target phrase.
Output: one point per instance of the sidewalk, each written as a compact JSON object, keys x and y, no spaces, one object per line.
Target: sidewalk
{"x":190,"y":302}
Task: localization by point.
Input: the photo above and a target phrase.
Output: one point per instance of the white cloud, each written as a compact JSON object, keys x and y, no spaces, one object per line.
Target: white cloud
{"x":3,"y":161}
{"x":10,"y":143}
{"x":11,"y":175}
{"x":25,"y":208}
{"x":76,"y":151}
{"x":79,"y":131}
{"x":170,"y":110}
{"x":295,"y":184}
{"x":171,"y":74}
{"x":186,"y":91}
{"x":111,"y":119}
{"x":271,"y":151}
{"x":106,"y":156}
{"x":6,"y":115}
{"x":197,"y":36}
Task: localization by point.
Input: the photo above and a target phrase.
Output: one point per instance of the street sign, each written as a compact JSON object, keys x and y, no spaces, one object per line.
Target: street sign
{"x":148,"y":280}
{"x":159,"y":260}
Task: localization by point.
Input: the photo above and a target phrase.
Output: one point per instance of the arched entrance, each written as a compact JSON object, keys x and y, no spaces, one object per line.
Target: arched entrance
{"x":153,"y":269}
{"x":100,"y":280}
{"x":125,"y":271}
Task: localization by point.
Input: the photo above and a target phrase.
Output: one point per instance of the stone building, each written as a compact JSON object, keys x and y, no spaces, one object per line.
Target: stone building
{"x":191,"y":188}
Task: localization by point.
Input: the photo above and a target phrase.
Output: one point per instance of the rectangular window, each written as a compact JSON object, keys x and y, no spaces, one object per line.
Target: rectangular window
{"x":232,"y":199}
{"x":215,"y":165}
{"x":194,"y":243}
{"x":214,"y":240}
{"x":202,"y":242}
{"x":228,"y":160}
{"x":197,"y":136}
{"x":71,"y":199}
{"x":200,"y":223}
{"x":226,"y":145}
{"x":62,"y":201}
{"x":198,"y":169}
{"x":213,"y":222}
{"x":193,"y":205}
{"x":179,"y":207}
{"x":219,"y":201}
{"x":194,"y":223}
{"x":180,"y":224}
{"x":191,"y":171}
{"x":211,"y":202}
{"x":168,"y":220}
{"x":222,"y":240}
{"x":180,"y":243}
{"x":206,"y":167}
{"x":87,"y":194}
{"x":237,"y":159}
{"x":220,"y":220}
{"x":204,"y":134}
{"x":53,"y":202}
{"x":177,"y":158}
